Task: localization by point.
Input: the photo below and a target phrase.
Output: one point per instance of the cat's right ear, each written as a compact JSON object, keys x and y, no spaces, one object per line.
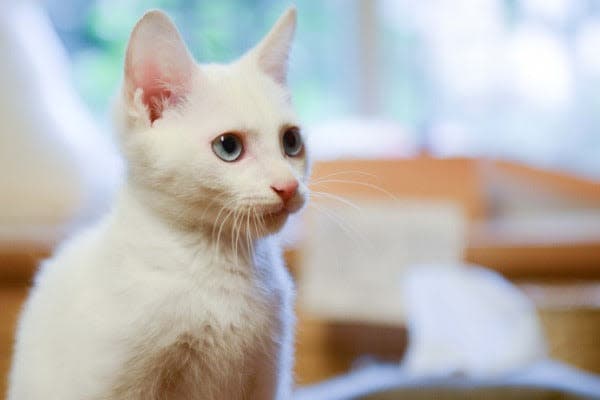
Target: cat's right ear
{"x":158,"y":66}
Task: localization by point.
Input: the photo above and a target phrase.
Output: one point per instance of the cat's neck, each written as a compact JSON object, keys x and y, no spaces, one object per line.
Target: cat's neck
{"x":157,"y":221}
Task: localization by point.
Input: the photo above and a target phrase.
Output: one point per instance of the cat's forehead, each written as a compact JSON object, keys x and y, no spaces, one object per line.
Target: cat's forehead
{"x":242,"y":96}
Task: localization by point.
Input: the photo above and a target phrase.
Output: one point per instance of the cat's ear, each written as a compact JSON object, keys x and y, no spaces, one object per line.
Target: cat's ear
{"x":157,"y":62}
{"x":272,"y":52}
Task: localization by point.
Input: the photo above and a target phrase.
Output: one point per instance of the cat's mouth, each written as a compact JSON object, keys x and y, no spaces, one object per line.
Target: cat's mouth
{"x":276,"y":215}
{"x":276,"y":212}
{"x":282,"y":209}
{"x":272,"y":216}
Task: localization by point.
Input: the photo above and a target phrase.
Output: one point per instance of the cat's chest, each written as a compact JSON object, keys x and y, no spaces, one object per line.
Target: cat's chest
{"x":220,"y":303}
{"x":219,"y":327}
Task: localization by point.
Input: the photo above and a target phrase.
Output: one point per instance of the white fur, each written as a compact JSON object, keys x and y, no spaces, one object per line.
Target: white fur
{"x":182,"y":272}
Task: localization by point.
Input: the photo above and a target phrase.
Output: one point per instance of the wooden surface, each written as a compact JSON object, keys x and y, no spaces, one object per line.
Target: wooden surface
{"x":584,"y":189}
{"x":456,"y":180}
{"x":325,"y":349}
{"x":563,"y":249}
{"x":517,"y":260}
{"x":11,"y":299}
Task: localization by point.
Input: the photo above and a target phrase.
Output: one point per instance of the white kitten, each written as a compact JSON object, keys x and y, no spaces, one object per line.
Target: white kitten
{"x":180,"y":292}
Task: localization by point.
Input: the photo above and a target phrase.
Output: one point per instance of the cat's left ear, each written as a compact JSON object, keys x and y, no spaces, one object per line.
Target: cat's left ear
{"x":272,"y":52}
{"x":157,"y":62}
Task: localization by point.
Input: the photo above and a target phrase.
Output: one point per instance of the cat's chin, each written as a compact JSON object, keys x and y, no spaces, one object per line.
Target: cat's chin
{"x":274,"y":221}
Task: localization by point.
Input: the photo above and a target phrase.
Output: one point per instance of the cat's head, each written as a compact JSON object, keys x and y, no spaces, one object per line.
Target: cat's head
{"x":213,"y":144}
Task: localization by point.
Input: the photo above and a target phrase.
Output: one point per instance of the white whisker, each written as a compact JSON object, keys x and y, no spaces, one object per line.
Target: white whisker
{"x":335,"y":197}
{"x":358,"y":183}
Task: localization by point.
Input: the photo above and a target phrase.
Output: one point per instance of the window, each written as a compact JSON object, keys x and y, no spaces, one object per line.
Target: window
{"x":516,"y":79}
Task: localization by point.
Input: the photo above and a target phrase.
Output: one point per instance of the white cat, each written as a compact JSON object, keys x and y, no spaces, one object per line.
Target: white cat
{"x":180,"y":292}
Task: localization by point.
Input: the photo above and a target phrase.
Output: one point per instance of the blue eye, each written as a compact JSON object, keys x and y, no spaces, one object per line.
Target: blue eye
{"x":292,"y":142}
{"x":228,"y":147}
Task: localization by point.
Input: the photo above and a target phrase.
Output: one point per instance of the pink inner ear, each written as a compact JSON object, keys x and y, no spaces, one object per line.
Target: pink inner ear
{"x":156,"y":100}
{"x":158,"y":63}
{"x":161,"y":89}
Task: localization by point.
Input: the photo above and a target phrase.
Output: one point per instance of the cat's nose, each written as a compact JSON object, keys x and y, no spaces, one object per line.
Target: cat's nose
{"x":286,"y":190}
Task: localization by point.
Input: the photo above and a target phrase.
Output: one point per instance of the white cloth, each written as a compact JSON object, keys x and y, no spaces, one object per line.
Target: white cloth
{"x":467,"y":320}
{"x":56,"y":164}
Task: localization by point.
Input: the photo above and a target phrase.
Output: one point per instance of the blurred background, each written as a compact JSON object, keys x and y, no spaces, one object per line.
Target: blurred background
{"x":446,"y":132}
{"x":514,"y":79}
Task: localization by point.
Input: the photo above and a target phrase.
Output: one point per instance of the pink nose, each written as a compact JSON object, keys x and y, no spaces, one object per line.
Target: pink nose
{"x":286,"y":190}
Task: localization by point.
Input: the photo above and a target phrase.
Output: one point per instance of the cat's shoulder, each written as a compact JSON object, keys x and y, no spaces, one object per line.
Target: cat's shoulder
{"x":73,"y":254}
